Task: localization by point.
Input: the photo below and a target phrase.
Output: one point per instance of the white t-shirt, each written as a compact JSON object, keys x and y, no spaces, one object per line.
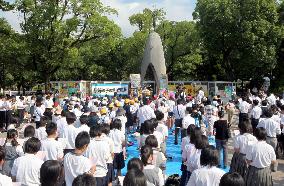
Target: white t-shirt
{"x":40,"y":133}
{"x":244,"y":142}
{"x":184,"y":142}
{"x":84,"y":127}
{"x":162,"y":128}
{"x":38,"y":113}
{"x":26,"y":169}
{"x":61,"y":124}
{"x":74,"y":166}
{"x":70,"y":134}
{"x":261,"y":154}
{"x":52,"y":148}
{"x":111,"y":146}
{"x":160,"y":137}
{"x":160,"y":173}
{"x":187,"y":120}
{"x":256,"y":112}
{"x":5,"y":180}
{"x":206,"y":176}
{"x":118,"y":138}
{"x":272,"y":128}
{"x":123,"y":120}
{"x":145,"y":113}
{"x":98,"y":150}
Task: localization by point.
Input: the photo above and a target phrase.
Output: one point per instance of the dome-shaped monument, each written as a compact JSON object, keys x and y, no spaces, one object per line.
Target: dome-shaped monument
{"x":155,"y":60}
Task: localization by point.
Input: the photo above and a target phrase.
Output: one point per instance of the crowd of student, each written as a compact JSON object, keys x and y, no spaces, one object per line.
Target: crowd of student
{"x":84,"y":142}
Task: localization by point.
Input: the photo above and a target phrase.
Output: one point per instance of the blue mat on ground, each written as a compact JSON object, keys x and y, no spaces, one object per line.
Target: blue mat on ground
{"x":173,"y":165}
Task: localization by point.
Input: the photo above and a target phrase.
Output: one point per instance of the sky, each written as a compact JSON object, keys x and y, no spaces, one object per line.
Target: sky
{"x":176,"y":10}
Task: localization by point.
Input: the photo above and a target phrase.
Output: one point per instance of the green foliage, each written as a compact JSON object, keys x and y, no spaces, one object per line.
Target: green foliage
{"x":242,"y":36}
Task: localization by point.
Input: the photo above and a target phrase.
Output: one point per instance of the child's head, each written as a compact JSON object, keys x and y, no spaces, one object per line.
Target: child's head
{"x":29,"y":131}
{"x":154,"y":123}
{"x":221,"y":114}
{"x":2,"y":155}
{"x":32,"y":145}
{"x":260,"y":134}
{"x":152,"y":141}
{"x":189,"y":129}
{"x":70,"y":118}
{"x":105,"y":129}
{"x":135,"y":177}
{"x":209,"y":157}
{"x":188,"y":110}
{"x":84,"y":119}
{"x":245,"y":127}
{"x":43,"y":121}
{"x":232,"y":179}
{"x":51,"y":129}
{"x":159,"y":115}
{"x":196,"y":133}
{"x":50,"y":173}
{"x":173,"y":180}
{"x":84,"y":180}
{"x":146,"y":155}
{"x":82,"y":141}
{"x":12,"y":135}
{"x":116,"y":124}
{"x":148,"y":127}
{"x":135,"y":163}
{"x":95,"y":131}
{"x":201,"y":143}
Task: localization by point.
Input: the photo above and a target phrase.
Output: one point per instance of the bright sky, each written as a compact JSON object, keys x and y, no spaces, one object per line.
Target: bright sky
{"x":176,"y":10}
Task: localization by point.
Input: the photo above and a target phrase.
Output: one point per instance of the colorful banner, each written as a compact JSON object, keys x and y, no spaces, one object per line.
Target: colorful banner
{"x":109,"y":89}
{"x":135,"y":80}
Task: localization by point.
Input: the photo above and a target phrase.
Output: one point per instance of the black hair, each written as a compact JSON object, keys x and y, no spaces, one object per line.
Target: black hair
{"x":264,"y":103}
{"x":196,"y":133}
{"x":82,"y":139}
{"x":29,"y":131}
{"x":245,"y":127}
{"x":84,"y":180}
{"x":268,"y":113}
{"x":221,"y":114}
{"x":12,"y":134}
{"x":190,"y":128}
{"x":32,"y":145}
{"x":209,"y":156}
{"x":179,"y":101}
{"x":260,"y":134}
{"x":148,"y":127}
{"x":189,"y":110}
{"x":146,"y":152}
{"x":70,"y":118}
{"x":135,"y":163}
{"x":201,"y":143}
{"x":51,"y":128}
{"x":232,"y":179}
{"x":105,"y":128}
{"x":154,"y":123}
{"x":43,"y":121}
{"x":63,"y":113}
{"x":255,"y":102}
{"x":135,"y":177}
{"x":152,"y":141}
{"x":50,"y":173}
{"x":84,"y":119}
{"x":95,"y":131}
{"x":116,"y":124}
{"x":159,"y":115}
{"x":173,"y":180}
{"x":2,"y":153}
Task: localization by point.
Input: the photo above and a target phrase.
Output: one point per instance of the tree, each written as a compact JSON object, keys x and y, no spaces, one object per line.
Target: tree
{"x":55,"y":30}
{"x":240,"y":36}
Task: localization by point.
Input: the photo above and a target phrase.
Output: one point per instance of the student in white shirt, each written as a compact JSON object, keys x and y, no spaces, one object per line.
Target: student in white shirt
{"x":2,"y":113}
{"x":119,"y":142}
{"x":256,"y":112}
{"x":61,"y":124}
{"x":52,"y":148}
{"x":98,"y":150}
{"x":84,"y":121}
{"x":21,"y":109}
{"x":26,"y":169}
{"x":272,"y":128}
{"x":40,"y":132}
{"x":13,"y":151}
{"x":153,"y":174}
{"x":38,"y":113}
{"x":4,"y":180}
{"x":163,"y":129}
{"x":70,"y":132}
{"x":233,"y":179}
{"x":187,"y":120}
{"x":244,"y":109}
{"x":260,"y":157}
{"x":242,"y":143}
{"x":179,"y":112}
{"x":106,"y":138}
{"x":84,"y":179}
{"x":145,"y":113}
{"x":135,"y":177}
{"x":75,"y":163}
{"x":208,"y":174}
{"x":51,"y":173}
